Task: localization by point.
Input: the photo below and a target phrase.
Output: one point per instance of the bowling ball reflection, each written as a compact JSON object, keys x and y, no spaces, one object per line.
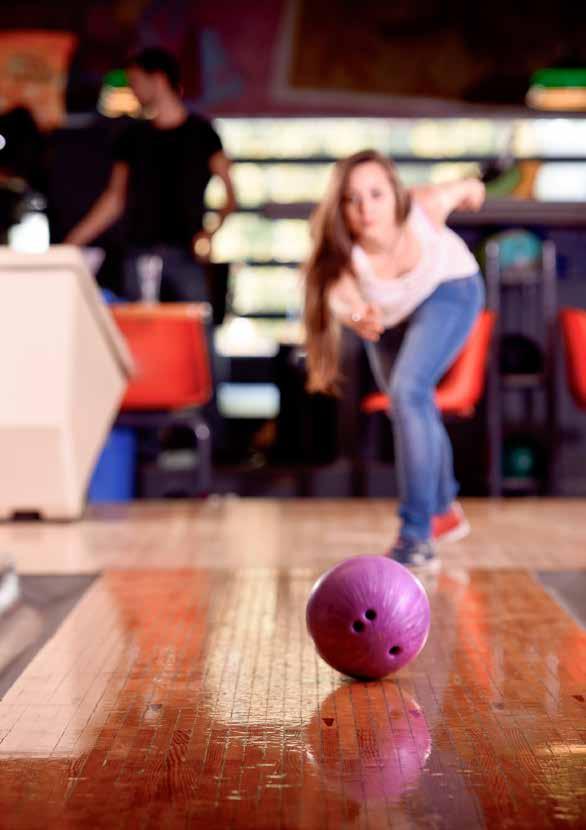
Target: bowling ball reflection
{"x":376,"y":756}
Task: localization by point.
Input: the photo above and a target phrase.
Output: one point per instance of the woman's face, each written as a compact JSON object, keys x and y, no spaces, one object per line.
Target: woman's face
{"x":369,"y":202}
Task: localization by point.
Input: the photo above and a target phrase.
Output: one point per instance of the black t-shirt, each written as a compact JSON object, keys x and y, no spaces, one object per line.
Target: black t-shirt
{"x":169,"y":172}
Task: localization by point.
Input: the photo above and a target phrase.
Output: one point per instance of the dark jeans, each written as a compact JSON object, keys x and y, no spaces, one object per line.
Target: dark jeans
{"x":182,"y":281}
{"x":407,"y":363}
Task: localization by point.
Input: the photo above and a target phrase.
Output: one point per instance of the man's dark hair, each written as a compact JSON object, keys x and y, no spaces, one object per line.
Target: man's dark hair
{"x":155,"y":59}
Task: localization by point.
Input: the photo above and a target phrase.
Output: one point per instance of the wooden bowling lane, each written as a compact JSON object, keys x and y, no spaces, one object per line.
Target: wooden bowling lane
{"x":232,"y":532}
{"x":194,"y":698}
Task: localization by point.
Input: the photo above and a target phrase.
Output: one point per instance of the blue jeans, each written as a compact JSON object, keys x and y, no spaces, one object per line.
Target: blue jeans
{"x":432,"y":339}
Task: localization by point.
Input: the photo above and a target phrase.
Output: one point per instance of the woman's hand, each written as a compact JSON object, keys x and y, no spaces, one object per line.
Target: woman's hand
{"x":365,"y":320}
{"x":348,"y":306}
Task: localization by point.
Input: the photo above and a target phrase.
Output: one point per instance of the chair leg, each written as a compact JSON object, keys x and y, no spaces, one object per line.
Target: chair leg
{"x":198,"y":426}
{"x":493,"y":397}
{"x":193,"y":420}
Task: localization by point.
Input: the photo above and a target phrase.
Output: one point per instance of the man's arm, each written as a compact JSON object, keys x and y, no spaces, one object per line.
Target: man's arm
{"x":219,"y":166}
{"x":105,"y":210}
{"x":440,"y":200}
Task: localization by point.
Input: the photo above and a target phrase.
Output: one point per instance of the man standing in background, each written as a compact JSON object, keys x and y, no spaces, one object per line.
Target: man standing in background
{"x":162,"y":166}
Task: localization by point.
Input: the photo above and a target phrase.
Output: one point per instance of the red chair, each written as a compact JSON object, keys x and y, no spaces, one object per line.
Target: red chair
{"x":173,"y":379}
{"x":573,"y":326}
{"x":461,"y":388}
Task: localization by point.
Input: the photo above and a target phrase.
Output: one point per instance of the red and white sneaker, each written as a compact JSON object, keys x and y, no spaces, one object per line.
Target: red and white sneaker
{"x":450,"y":526}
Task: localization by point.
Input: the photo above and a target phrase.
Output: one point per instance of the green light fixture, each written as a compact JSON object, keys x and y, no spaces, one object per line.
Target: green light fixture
{"x":116,"y":96}
{"x":116,"y":78}
{"x":558,"y":88}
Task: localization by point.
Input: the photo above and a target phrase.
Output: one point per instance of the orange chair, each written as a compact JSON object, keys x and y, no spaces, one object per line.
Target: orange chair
{"x":173,"y":379}
{"x":573,"y":326}
{"x":461,"y":388}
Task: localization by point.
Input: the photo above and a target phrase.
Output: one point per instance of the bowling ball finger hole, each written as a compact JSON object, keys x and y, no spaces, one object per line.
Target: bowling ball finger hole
{"x":358,"y":626}
{"x":395,"y":650}
{"x":370,"y":614}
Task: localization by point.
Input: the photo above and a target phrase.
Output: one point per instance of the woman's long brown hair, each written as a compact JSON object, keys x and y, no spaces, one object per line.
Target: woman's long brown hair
{"x":330,"y":256}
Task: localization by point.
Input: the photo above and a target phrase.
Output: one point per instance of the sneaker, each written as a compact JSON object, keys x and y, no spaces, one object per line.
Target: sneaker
{"x":413,"y":554}
{"x":450,"y":526}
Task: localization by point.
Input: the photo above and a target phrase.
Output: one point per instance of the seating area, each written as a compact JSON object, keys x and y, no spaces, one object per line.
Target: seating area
{"x":170,"y":388}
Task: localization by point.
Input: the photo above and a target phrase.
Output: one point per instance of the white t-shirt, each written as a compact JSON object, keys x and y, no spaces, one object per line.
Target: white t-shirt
{"x":444,"y":256}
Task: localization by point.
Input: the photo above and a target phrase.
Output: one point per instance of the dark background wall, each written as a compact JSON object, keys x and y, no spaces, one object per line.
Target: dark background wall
{"x":275,"y":55}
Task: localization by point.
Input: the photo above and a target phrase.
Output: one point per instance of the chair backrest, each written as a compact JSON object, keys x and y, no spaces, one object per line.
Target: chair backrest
{"x":168,"y":344}
{"x":573,"y":325}
{"x":462,"y":386}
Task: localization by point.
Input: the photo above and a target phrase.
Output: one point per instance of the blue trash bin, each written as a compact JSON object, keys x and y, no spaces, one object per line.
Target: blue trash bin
{"x":114,"y":475}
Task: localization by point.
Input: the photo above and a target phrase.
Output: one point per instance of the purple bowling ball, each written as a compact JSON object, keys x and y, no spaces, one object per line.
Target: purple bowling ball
{"x":368,"y":617}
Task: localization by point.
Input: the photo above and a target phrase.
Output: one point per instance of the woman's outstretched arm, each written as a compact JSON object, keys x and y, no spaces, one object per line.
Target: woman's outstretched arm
{"x":440,"y":200}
